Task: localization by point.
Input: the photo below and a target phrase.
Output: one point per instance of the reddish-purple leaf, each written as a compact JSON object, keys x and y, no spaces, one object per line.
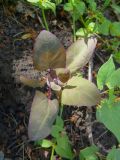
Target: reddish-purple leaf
{"x":42,"y":116}
{"x":48,"y":52}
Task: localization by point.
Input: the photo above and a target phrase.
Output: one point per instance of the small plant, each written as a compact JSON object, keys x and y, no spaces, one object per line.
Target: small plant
{"x":64,"y":86}
{"x":109,"y":110}
{"x":89,"y":153}
{"x":76,"y":9}
{"x":44,"y":5}
{"x":59,"y":143}
{"x":91,"y":19}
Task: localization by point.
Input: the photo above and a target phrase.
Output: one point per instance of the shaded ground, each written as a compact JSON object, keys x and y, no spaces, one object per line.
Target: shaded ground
{"x":15,"y":99}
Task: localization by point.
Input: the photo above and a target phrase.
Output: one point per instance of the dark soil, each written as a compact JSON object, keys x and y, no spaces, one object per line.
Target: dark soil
{"x":15,"y":99}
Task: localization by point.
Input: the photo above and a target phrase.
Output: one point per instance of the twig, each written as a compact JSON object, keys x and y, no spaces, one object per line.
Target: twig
{"x":90,"y":68}
{"x":89,"y":109}
{"x":101,"y":135}
{"x":40,"y":21}
{"x":100,"y":58}
{"x":9,"y":117}
{"x":23,"y":151}
{"x":15,"y":19}
{"x":102,"y":147}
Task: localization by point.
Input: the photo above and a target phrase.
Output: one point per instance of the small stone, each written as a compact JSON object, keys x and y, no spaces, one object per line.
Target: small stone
{"x":1,"y":155}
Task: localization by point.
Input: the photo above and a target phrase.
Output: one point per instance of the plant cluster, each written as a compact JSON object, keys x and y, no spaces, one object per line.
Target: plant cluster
{"x":65,"y":86}
{"x":92,"y":19}
{"x":69,"y":89}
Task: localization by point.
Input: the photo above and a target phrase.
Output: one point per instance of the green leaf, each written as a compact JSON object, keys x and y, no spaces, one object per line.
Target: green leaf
{"x":79,"y":7}
{"x":42,"y":116}
{"x":115,"y":44}
{"x":117,"y":56}
{"x":68,"y":7}
{"x":92,"y":27}
{"x":114,"y":79}
{"x":106,"y":3}
{"x":48,"y":52}
{"x":89,"y":153}
{"x":76,"y":8}
{"x":105,"y":72}
{"x":63,"y":147}
{"x":79,"y":53}
{"x":57,"y":2}
{"x":49,"y":5}
{"x":59,"y":122}
{"x":80,"y":92}
{"x":114,"y":154}
{"x":58,"y":127}
{"x":56,"y":130}
{"x":81,"y":32}
{"x":115,"y":29}
{"x":44,"y":143}
{"x":116,"y":8}
{"x":109,"y":114}
{"x":92,"y":5}
{"x":104,"y":27}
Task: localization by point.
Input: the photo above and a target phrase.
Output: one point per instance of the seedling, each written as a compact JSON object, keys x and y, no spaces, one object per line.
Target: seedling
{"x":70,"y":89}
{"x":59,"y":143}
{"x":44,"y":5}
{"x":76,"y":9}
{"x":109,"y":110}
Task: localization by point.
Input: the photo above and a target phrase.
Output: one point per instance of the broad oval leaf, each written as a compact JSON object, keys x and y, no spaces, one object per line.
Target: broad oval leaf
{"x":116,"y":8}
{"x":104,"y":27}
{"x":80,"y":92}
{"x":63,"y":147}
{"x":89,"y":153}
{"x":49,"y":5}
{"x":48,"y":52}
{"x":114,"y":154}
{"x":44,"y":143}
{"x":42,"y":116}
{"x":105,"y":72}
{"x":114,"y":79}
{"x":109,"y":115}
{"x":115,"y":29}
{"x":79,"y":53}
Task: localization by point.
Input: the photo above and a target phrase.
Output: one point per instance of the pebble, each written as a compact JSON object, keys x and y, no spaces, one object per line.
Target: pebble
{"x":1,"y":155}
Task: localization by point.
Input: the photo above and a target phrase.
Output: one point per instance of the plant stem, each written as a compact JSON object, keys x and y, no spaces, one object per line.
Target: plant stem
{"x":52,"y":154}
{"x":61,"y":110}
{"x":83,"y":22}
{"x":74,"y":36}
{"x":89,"y":109}
{"x":44,"y":19}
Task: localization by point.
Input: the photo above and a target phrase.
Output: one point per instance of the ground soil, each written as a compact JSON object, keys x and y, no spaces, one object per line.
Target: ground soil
{"x":16,"y":99}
